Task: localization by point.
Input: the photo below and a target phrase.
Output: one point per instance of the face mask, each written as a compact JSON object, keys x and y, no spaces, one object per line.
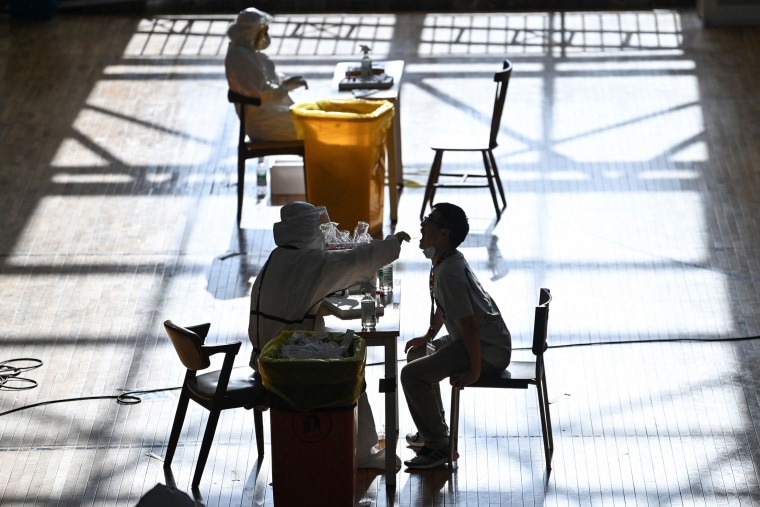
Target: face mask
{"x":429,"y":252}
{"x":263,"y":40}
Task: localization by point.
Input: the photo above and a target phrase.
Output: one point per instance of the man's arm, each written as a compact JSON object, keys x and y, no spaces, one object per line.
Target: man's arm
{"x":252,"y":73}
{"x":422,"y":341}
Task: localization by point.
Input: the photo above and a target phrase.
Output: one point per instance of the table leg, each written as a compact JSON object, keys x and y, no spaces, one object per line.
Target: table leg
{"x":393,"y":157}
{"x":397,"y":146}
{"x":391,"y":412}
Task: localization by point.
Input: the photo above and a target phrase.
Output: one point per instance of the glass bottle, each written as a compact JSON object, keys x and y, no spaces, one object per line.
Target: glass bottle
{"x":369,"y":318}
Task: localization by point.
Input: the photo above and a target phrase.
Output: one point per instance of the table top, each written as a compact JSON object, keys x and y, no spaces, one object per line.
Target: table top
{"x":388,"y":324}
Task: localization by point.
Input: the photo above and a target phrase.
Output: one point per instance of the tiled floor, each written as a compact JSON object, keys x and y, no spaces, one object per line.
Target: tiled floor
{"x":630,"y":150}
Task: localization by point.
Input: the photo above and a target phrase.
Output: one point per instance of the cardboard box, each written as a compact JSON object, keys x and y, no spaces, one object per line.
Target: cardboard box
{"x":287,"y":177}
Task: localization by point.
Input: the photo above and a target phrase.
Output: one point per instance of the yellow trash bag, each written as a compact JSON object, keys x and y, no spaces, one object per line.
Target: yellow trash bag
{"x":311,"y":384}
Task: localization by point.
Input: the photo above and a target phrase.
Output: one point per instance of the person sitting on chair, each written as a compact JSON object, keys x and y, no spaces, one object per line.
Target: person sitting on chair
{"x":250,"y":72}
{"x":297,"y":276}
{"x":478,"y":341}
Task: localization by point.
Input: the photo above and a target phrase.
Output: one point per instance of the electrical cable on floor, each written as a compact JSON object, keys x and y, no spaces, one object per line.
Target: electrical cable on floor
{"x":9,"y":373}
{"x":127,"y":398}
{"x":655,"y":340}
{"x":626,"y":342}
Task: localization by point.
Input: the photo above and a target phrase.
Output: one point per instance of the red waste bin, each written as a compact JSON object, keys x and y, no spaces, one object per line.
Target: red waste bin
{"x":313,"y":457}
{"x":313,"y":423}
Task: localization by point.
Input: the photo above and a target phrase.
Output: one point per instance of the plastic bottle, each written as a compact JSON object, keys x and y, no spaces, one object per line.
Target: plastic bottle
{"x":261,"y":179}
{"x":366,"y":63}
{"x":385,"y":279}
{"x":369,"y":318}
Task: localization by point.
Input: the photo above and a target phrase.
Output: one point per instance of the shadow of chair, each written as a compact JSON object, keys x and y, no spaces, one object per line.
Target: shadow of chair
{"x":519,"y":375}
{"x":491,"y":174}
{"x":249,"y":148}
{"x":215,"y":391}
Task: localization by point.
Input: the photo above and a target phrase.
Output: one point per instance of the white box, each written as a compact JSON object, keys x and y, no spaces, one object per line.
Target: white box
{"x":287,"y":177}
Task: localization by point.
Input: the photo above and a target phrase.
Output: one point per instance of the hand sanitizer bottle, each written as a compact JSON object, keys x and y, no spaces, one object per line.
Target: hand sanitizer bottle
{"x":366,"y":63}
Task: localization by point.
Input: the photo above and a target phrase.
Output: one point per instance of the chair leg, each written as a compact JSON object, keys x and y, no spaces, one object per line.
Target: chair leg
{"x":240,"y":186}
{"x":179,"y":419}
{"x":208,"y":437}
{"x":454,"y":427}
{"x":495,"y":171}
{"x":549,"y":432}
{"x":490,"y":177}
{"x":546,"y":423}
{"x":430,"y":187}
{"x":259,"y":425}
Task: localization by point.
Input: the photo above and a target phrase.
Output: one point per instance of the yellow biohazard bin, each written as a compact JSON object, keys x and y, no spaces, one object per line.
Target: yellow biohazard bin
{"x":344,"y":144}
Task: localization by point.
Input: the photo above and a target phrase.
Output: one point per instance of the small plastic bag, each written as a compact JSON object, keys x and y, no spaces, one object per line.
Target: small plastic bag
{"x":329,"y":232}
{"x":321,"y":345}
{"x":361,"y":234}
{"x":336,"y":239}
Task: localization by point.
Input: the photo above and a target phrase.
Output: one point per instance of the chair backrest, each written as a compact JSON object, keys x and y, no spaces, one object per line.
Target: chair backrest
{"x":241,"y":101}
{"x":189,"y":346}
{"x":541,"y":322}
{"x":502,"y":83}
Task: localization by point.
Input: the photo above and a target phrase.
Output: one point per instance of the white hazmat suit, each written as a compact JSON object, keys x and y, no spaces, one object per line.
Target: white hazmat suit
{"x":250,"y":72}
{"x":300,"y":273}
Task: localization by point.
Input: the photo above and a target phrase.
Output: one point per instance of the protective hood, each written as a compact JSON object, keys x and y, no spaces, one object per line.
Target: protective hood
{"x":299,"y":226}
{"x":245,"y":30}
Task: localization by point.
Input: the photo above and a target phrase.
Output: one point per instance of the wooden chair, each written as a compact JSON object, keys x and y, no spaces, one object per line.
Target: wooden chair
{"x":491,"y":175}
{"x":215,"y":391}
{"x":519,"y":375}
{"x":248,"y":149}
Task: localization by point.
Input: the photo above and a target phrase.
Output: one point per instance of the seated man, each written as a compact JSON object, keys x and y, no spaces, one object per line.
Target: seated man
{"x":250,"y":72}
{"x":298,"y":275}
{"x":478,"y":341}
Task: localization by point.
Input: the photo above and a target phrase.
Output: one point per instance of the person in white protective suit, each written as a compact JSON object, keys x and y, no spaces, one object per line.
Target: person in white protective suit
{"x":297,"y":276}
{"x":250,"y":72}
